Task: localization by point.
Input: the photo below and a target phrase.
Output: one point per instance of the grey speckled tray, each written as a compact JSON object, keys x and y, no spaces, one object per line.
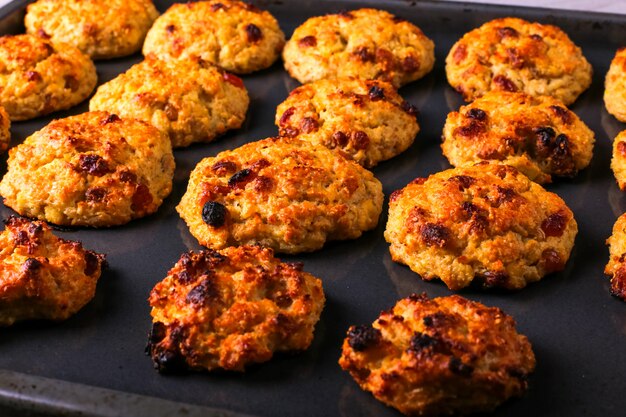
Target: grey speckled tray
{"x":93,"y":363}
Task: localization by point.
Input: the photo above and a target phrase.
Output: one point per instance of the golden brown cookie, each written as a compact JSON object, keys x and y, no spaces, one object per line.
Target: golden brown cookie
{"x":366,"y":43}
{"x":615,"y":86}
{"x":511,"y":54}
{"x":618,"y":162}
{"x":616,"y":267}
{"x":188,"y":100}
{"x":283,"y":193}
{"x":230,"y":34}
{"x":39,"y":77}
{"x":5,"y":130}
{"x":448,"y":355}
{"x":486,"y":223}
{"x":93,"y":169}
{"x":100,"y":29}
{"x":231,"y":308}
{"x":537,"y":135}
{"x":43,"y":276}
{"x":365,"y":120}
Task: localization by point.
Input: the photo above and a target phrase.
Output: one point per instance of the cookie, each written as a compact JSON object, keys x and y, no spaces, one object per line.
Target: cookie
{"x":231,"y":308}
{"x":511,"y":54}
{"x":618,"y":161}
{"x":486,"y":223}
{"x":615,"y":86}
{"x":100,"y":29}
{"x":616,"y":267}
{"x":39,"y":77}
{"x":93,"y":169}
{"x":5,"y":130}
{"x":188,"y":100}
{"x":448,"y":355}
{"x":283,"y":193}
{"x":537,"y":135}
{"x":365,"y":120}
{"x":231,"y":34}
{"x":43,"y":276}
{"x":366,"y":43}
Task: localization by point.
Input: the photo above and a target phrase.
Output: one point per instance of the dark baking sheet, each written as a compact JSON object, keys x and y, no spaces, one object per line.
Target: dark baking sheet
{"x":578,"y":331}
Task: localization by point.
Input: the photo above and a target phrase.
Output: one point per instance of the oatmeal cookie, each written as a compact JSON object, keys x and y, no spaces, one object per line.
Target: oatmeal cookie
{"x":618,"y":161}
{"x":511,"y":54}
{"x":231,"y":308}
{"x":188,"y":100}
{"x":5,"y":130}
{"x":448,"y":355}
{"x":366,"y":43}
{"x":231,"y":34}
{"x":39,"y":77}
{"x":615,"y":86}
{"x":537,"y":135}
{"x":365,"y":120}
{"x":486,"y":223}
{"x":283,"y":193}
{"x":100,"y":29}
{"x":93,"y":169}
{"x":616,"y":267}
{"x":43,"y":276}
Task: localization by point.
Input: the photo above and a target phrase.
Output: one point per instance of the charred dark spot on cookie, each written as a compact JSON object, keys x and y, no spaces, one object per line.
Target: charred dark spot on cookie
{"x":31,"y":265}
{"x":438,"y":320}
{"x":42,"y":34}
{"x":157,"y":333}
{"x":171,"y":112}
{"x":551,"y":261}
{"x":33,"y":76}
{"x":421,"y":342}
{"x":456,"y":366}
{"x":434,"y":234}
{"x":464,"y":181}
{"x":22,"y":238}
{"x":284,"y":119}
{"x":504,"y":195}
{"x":93,"y":164}
{"x":470,"y":130}
{"x":476,"y":114}
{"x":203,"y":293}
{"x":93,"y":262}
{"x":360,"y":140}
{"x":111,"y":118}
{"x":410,"y":109}
{"x":410,"y":64}
{"x":168,"y":360}
{"x":240,"y":178}
{"x":618,"y":284}
{"x":128,"y":177}
{"x":184,"y":278}
{"x":339,"y":139}
{"x":418,"y":298}
{"x":536,"y":37}
{"x":554,"y":225}
{"x":259,"y":164}
{"x":362,"y":337}
{"x":363,"y":54}
{"x":170,"y":28}
{"x":376,"y":93}
{"x":459,"y":54}
{"x":505,"y":84}
{"x":477,"y":216}
{"x":564,"y":114}
{"x":214,"y":214}
{"x":224,"y":167}
{"x":253,"y":33}
{"x":307,"y":41}
{"x":309,"y":125}
{"x":504,"y":170}
{"x":507,"y":32}
{"x":95,"y":194}
{"x":493,"y":279}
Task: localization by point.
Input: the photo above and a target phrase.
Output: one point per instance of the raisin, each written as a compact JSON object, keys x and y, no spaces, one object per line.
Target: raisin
{"x":410,"y":64}
{"x":476,"y":114}
{"x":308,"y":125}
{"x":93,"y":164}
{"x":32,"y":265}
{"x":360,"y":140}
{"x":142,"y":198}
{"x":253,"y":33}
{"x":171,"y":112}
{"x":202,"y":293}
{"x":110,"y":119}
{"x":214,"y":214}
{"x":362,"y":337}
{"x":564,"y":114}
{"x":434,"y":234}
{"x":339,"y":139}
{"x":376,"y":93}
{"x":224,"y":167}
{"x":95,"y":194}
{"x":465,"y":181}
{"x":33,"y":76}
{"x":507,"y":32}
{"x":554,"y":224}
{"x":284,"y":119}
{"x":307,"y":41}
{"x":551,"y":261}
{"x":92,"y":262}
{"x":233,"y":79}
{"x":423,"y":341}
{"x":459,"y":54}
{"x":504,"y":83}
{"x":410,"y":109}
{"x":364,"y":54}
{"x":170,"y":28}
{"x":240,"y":178}
{"x":128,"y":177}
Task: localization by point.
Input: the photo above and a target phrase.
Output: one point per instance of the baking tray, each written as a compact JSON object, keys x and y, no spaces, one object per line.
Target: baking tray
{"x":93,"y":363}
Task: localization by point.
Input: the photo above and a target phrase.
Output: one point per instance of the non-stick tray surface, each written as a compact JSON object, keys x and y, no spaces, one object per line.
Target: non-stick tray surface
{"x":577,"y":330}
